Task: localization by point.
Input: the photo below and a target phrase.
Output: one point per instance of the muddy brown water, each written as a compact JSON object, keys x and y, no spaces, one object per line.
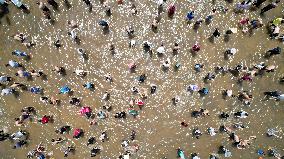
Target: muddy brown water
{"x":158,"y":128}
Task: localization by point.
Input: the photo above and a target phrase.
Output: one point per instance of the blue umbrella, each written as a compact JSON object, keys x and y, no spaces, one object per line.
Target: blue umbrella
{"x":65,"y":90}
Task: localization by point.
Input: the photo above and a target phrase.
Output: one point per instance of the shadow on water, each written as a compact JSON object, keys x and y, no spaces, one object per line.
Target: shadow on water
{"x":106,"y":30}
{"x":226,"y":38}
{"x":211,"y":39}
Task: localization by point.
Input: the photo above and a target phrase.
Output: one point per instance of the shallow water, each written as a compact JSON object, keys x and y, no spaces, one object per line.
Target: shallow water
{"x":158,"y":127}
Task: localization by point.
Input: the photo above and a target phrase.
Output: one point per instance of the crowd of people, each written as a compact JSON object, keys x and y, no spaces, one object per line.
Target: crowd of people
{"x":244,"y":73}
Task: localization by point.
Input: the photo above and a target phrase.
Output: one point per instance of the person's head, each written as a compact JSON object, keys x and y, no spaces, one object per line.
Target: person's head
{"x":16,"y":74}
{"x":176,"y":44}
{"x":52,"y":140}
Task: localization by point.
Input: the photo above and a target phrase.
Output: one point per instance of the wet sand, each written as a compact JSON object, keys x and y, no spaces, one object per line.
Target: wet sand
{"x":158,"y":127}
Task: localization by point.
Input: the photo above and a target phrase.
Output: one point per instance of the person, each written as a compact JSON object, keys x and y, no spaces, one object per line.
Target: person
{"x":86,"y":111}
{"x":45,"y":119}
{"x":80,"y":73}
{"x":197,"y":133}
{"x":176,"y":100}
{"x":89,"y":85}
{"x":224,"y":115}
{"x":106,"y":96}
{"x":161,"y":50}
{"x":180,"y":153}
{"x":20,"y":144}
{"x":5,"y":79}
{"x":33,"y":73}
{"x":104,"y":24}
{"x":102,"y":114}
{"x":256,"y":23}
{"x":59,"y":70}
{"x":68,"y":150}
{"x":257,"y":3}
{"x":35,"y":90}
{"x":103,"y":136}
{"x":89,"y":4}
{"x":63,"y":129}
{"x":44,"y":100}
{"x":74,"y":101}
{"x":91,"y":141}
{"x":45,"y":11}
{"x":216,"y":33}
{"x":270,"y":68}
{"x":82,"y":53}
{"x":133,"y":10}
{"x":22,"y":73}
{"x":95,"y":151}
{"x":229,"y":92}
{"x":108,"y":77}
{"x":171,"y":10}
{"x":231,"y":51}
{"x":78,"y":133}
{"x":132,"y":66}
{"x":53,"y":3}
{"x":195,"y":47}
{"x":190,"y":15}
{"x":154,"y":25}
{"x":225,"y":151}
{"x":274,"y":51}
{"x":210,"y":76}
{"x":13,"y":64}
{"x":198,"y":67}
{"x":133,"y":135}
{"x":175,"y":48}
{"x":204,"y":91}
{"x":273,"y":94}
{"x":268,"y":7}
{"x":20,"y":37}
{"x":7,"y":91}
{"x":192,"y":88}
{"x":19,"y":53}
{"x":120,"y":115}
{"x":183,"y":124}
{"x":142,"y":78}
{"x":57,"y":141}
{"x":166,"y":64}
{"x":134,"y":89}
{"x":129,"y":30}
{"x":208,"y":18}
{"x":3,"y":135}
{"x":153,"y":88}
{"x":241,"y":114}
{"x":211,"y":131}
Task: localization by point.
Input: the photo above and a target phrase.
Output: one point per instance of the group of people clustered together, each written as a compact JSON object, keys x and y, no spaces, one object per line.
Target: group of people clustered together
{"x":9,"y":86}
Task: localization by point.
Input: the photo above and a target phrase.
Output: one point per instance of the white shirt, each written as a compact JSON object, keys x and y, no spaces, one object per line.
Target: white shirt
{"x":161,"y":50}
